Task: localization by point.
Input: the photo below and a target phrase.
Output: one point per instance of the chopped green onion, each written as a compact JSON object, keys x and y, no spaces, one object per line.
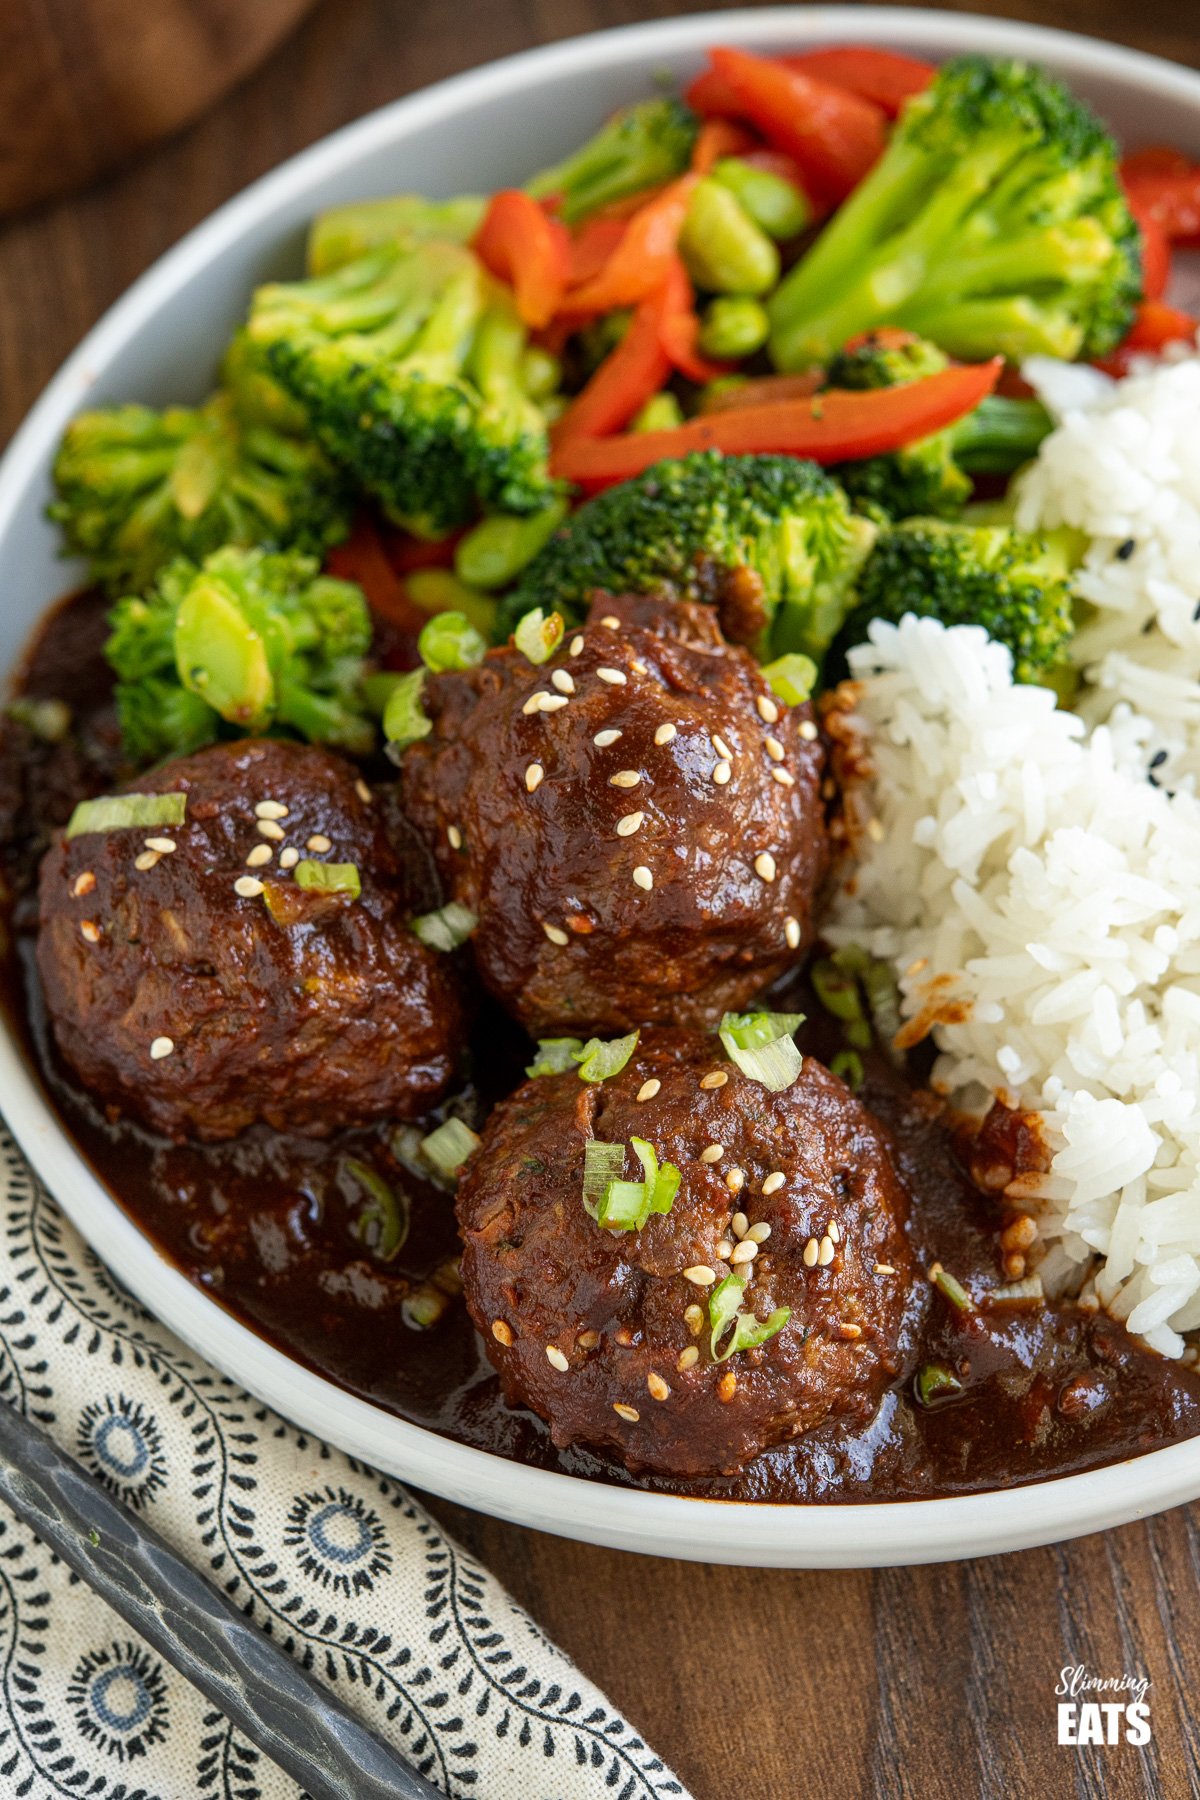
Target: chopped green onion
{"x":328,"y":878}
{"x":836,"y":987}
{"x":951,"y":1288}
{"x":848,"y":1066}
{"x":427,"y":1302}
{"x":792,"y":677}
{"x":599,"y":1060}
{"x":724,"y":1304}
{"x":555,"y":1056}
{"x":439,"y":591}
{"x":1014,"y":1291}
{"x":127,"y":812}
{"x":450,"y":641}
{"x":761,"y":1045}
{"x":602,"y":1165}
{"x":627,"y":1205}
{"x":493,"y":554}
{"x":382,"y":1224}
{"x":49,"y":720}
{"x":537,"y":636}
{"x":448,"y":1148}
{"x":934,"y":1383}
{"x":447,"y":928}
{"x":405,"y":720}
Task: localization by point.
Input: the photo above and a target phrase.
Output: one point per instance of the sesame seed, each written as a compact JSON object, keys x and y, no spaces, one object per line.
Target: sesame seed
{"x":835,"y":1233}
{"x":533,"y":704}
{"x":774,"y":1181}
{"x":625,"y":778}
{"x":554,"y":933}
{"x":687,"y":1359}
{"x":716,"y":1078}
{"x":721,"y":774}
{"x":269,"y":829}
{"x":735,"y":1180}
{"x":83,"y":884}
{"x":764,"y":865}
{"x":738,"y":1224}
{"x":825,"y":1253}
{"x":847,"y":1330}
{"x":884,"y":1269}
{"x":614,"y":677}
{"x":700,"y":1275}
{"x":875,"y":831}
{"x":657,"y":1386}
{"x":603,"y":739}
{"x":89,"y":929}
{"x":587,"y":1340}
{"x":774,"y":749}
{"x":811,"y":1252}
{"x":261,"y":853}
{"x":562,"y":681}
{"x":248,"y":886}
{"x":364,"y":793}
{"x":643,"y":878}
{"x":664,"y":734}
{"x":639,"y":668}
{"x":163,"y":845}
{"x":807,"y":730}
{"x":612,"y":621}
{"x":502,"y":1332}
{"x":576,"y":644}
{"x":693,"y":1318}
{"x":533,"y":776}
{"x":318,"y":841}
{"x":162,"y":1046}
{"x":791,"y":932}
{"x":454,"y":837}
{"x":713,"y":1154}
{"x":289,"y":858}
{"x":146,"y":860}
{"x":727,"y":1386}
{"x":649,"y":1088}
{"x":724,"y":1249}
{"x":768,"y":712}
{"x":630,"y":1413}
{"x":556,"y":1359}
{"x":783,"y":777}
{"x":270,"y":809}
{"x":745,"y":1252}
{"x":552,"y":702}
{"x":721,"y":747}
{"x":629,"y":824}
{"x":758,"y":1234}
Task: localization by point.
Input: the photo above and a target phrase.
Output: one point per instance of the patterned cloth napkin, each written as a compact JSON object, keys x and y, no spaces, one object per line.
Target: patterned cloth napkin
{"x":353,"y":1577}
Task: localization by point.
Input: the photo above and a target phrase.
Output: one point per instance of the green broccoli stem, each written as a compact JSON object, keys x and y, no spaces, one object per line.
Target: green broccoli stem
{"x":1069,"y":254}
{"x":322,"y":718}
{"x":1014,"y":326}
{"x":1000,"y":435}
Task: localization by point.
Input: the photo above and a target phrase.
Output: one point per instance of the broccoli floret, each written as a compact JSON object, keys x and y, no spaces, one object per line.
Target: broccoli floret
{"x":408,"y":365}
{"x":345,"y":233}
{"x":248,"y":640}
{"x":934,"y":476}
{"x":138,"y":487}
{"x":688,"y":527}
{"x":639,"y":147}
{"x":993,"y":222}
{"x":1015,"y":585}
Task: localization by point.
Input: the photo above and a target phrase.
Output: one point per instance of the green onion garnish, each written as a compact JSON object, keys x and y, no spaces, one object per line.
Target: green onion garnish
{"x":602,"y":1165}
{"x":382,"y":1224}
{"x":448,"y":1148}
{"x":599,"y":1060}
{"x":328,"y":878}
{"x":792,"y":677}
{"x":951,"y":1288}
{"x":935,"y":1382}
{"x":127,"y":812}
{"x":848,"y":1064}
{"x":405,"y":720}
{"x":555,"y":1056}
{"x":447,"y":928}
{"x":49,"y":720}
{"x":836,"y":987}
{"x":537,"y":636}
{"x":724,"y":1311}
{"x":627,"y":1205}
{"x":761,"y":1045}
{"x":450,"y":641}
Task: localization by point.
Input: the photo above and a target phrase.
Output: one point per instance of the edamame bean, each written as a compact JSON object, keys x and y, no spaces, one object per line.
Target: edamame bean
{"x":496,"y":551}
{"x":733,"y":325}
{"x":438,"y":590}
{"x":772,"y":201}
{"x":541,"y":372}
{"x":725,"y":251}
{"x":662,"y":412}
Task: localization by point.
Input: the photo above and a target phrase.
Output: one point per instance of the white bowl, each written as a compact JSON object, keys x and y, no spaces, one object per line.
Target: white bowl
{"x":161,"y":342}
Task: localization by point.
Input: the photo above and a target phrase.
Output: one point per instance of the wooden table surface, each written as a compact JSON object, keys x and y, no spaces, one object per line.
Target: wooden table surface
{"x":908,"y":1684}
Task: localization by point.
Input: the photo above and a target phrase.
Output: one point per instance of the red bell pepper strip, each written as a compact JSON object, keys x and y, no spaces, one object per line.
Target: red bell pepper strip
{"x":1164,"y":185}
{"x":1155,"y":326}
{"x":407,"y":553}
{"x":832,"y":427}
{"x":679,"y":329}
{"x":1156,"y":252}
{"x":521,"y":244}
{"x":362,"y":558}
{"x":625,"y":380}
{"x":834,"y":136}
{"x":763,"y":390}
{"x":642,"y":260}
{"x":884,"y":77}
{"x":592,"y":246}
{"x":713,"y":97}
{"x":717,"y":138}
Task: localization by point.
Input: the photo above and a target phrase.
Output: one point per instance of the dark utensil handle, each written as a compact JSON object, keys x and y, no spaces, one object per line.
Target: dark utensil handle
{"x":280,"y":1709}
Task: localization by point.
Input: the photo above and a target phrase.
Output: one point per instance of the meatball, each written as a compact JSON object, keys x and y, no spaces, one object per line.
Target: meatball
{"x":607,"y":1335}
{"x":194,"y":983}
{"x":637,"y":824}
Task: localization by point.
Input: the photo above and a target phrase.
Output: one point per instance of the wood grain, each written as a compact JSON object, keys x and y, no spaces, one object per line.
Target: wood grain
{"x":907,"y":1684}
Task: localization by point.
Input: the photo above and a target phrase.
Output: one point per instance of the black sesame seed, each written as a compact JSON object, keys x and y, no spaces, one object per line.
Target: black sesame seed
{"x":1158,"y":759}
{"x":1124,"y":551}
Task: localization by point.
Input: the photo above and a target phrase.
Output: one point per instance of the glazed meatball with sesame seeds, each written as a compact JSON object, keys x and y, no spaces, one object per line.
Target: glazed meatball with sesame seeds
{"x":649,"y":1343}
{"x":636,"y":823}
{"x":199,"y":976}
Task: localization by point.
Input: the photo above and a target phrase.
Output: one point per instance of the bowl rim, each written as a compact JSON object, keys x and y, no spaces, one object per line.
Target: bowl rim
{"x":837,"y":1535}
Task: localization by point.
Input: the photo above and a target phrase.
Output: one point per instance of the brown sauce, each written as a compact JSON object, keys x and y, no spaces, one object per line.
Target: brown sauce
{"x":268,"y":1226}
